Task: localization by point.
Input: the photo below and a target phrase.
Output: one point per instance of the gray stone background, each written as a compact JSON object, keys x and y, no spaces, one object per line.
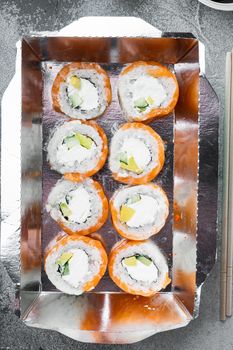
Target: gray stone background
{"x":215,"y":30}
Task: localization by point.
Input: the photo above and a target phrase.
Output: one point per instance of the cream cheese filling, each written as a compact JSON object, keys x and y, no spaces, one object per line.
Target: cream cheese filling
{"x":146,"y":210}
{"x":150,"y":89}
{"x":137,"y":149}
{"x":76,"y":153}
{"x":142,"y":272}
{"x":78,"y":267}
{"x":79,"y":205}
{"x":87,"y":92}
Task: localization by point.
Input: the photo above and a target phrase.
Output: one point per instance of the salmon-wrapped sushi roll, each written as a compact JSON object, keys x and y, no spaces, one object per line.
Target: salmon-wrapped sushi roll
{"x":75,"y":264}
{"x":78,"y":207}
{"x":147,"y":90}
{"x":81,"y":90}
{"x":138,"y":267}
{"x":138,"y":212}
{"x":77,"y":149}
{"x":136,"y":154}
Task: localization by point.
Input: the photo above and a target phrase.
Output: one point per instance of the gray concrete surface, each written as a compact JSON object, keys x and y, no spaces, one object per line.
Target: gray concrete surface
{"x":215,"y":30}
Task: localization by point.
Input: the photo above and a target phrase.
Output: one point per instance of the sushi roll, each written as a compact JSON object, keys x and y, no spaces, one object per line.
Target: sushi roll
{"x":81,"y":90}
{"x":78,"y":207}
{"x":77,"y":149}
{"x":138,"y":267}
{"x":147,"y":90}
{"x":75,"y":264}
{"x":138,"y":212}
{"x":136,"y":154}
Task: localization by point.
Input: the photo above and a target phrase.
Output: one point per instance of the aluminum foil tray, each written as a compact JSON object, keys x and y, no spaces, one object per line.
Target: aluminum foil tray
{"x":189,"y":177}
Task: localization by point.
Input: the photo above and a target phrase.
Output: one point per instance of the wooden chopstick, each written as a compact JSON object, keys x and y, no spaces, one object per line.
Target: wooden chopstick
{"x":230,"y":205}
{"x":225,"y":230}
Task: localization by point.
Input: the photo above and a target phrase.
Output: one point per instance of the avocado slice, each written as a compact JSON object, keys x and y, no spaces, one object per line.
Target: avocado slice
{"x":131,"y":166}
{"x":126,"y":213}
{"x":75,"y":100}
{"x":144,"y":260}
{"x":84,"y":140}
{"x":64,"y":258}
{"x":66,"y":212}
{"x":150,"y":100}
{"x":75,"y":82}
{"x":71,"y":141}
{"x":130,"y":261}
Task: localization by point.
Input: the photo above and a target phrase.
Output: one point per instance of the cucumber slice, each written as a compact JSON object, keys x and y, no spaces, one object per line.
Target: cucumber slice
{"x":141,"y":103}
{"x":75,"y":100}
{"x":66,"y":212}
{"x":66,"y":269}
{"x":141,"y":109}
{"x":144,"y":260}
{"x":84,"y":140}
{"x":63,"y":263}
{"x":64,"y":258}
{"x":131,"y":261}
{"x":75,"y":82}
{"x":123,"y":157}
{"x":134,"y":199}
{"x":126,"y":213}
